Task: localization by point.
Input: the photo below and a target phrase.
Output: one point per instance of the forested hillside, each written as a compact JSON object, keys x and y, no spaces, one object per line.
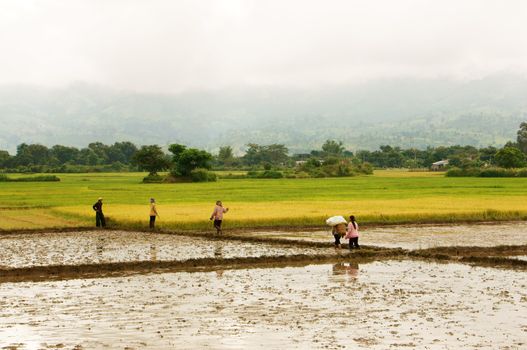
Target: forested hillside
{"x":406,"y":113}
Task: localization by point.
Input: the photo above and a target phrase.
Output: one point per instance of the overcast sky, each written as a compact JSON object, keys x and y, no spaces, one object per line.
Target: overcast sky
{"x":176,"y":45}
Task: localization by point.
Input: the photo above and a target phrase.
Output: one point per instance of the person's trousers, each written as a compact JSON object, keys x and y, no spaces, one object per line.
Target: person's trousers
{"x":152,"y":221}
{"x":337,"y":239}
{"x":354,"y":242}
{"x":217,"y":225}
{"x":99,"y":219}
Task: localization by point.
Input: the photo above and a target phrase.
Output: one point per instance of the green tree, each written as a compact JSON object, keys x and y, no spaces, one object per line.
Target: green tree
{"x":151,"y":158}
{"x":253,"y":155}
{"x":121,"y":152}
{"x":33,"y":154}
{"x":274,"y":154}
{"x":4,"y":158}
{"x":510,"y":157}
{"x":522,"y":137}
{"x":226,"y":156}
{"x":187,"y":159}
{"x":333,"y":148}
{"x":176,"y":150}
{"x":486,"y":154}
{"x":88,"y":157}
{"x":101,"y":150}
{"x":65,"y":154}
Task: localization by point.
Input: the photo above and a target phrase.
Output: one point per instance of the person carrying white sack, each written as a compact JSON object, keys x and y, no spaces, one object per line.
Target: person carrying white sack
{"x":338,"y":224}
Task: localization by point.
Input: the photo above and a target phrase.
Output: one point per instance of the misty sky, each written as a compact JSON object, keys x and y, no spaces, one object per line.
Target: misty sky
{"x":176,"y":45}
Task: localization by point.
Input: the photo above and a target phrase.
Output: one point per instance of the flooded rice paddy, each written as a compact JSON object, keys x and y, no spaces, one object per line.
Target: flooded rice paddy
{"x":74,"y":248}
{"x":422,"y":237}
{"x":270,"y":295}
{"x":380,"y":305}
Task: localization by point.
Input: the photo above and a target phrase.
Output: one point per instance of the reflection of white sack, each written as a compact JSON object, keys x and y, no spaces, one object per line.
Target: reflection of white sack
{"x":335,"y":220}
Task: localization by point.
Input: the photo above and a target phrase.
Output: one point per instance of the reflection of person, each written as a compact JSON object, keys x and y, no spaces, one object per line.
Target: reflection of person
{"x":353,"y":269}
{"x":99,"y":216}
{"x":349,"y":270}
{"x":218,"y":250}
{"x":353,"y":233}
{"x":338,"y":231}
{"x":217,"y":215}
{"x":153,"y":213}
{"x":338,"y":269}
{"x":153,"y":252}
{"x":99,"y":246}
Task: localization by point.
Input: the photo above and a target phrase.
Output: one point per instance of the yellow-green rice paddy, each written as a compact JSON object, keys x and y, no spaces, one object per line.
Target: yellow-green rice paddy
{"x":386,"y":197}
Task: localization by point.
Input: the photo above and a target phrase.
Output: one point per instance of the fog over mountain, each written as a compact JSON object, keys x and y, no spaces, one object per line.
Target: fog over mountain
{"x":208,"y":73}
{"x":399,"y":112}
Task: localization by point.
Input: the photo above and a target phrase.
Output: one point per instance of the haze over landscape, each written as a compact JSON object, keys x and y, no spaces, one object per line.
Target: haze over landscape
{"x":263,"y":174}
{"x":295,"y":72}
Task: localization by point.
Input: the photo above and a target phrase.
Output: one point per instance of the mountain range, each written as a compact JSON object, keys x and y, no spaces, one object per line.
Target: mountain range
{"x":399,"y":112}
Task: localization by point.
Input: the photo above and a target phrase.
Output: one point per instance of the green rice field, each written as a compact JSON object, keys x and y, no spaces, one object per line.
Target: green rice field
{"x":383,"y":198}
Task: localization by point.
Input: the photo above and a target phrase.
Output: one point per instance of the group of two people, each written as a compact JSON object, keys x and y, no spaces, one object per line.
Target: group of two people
{"x":351,"y":232}
{"x":217,"y":214}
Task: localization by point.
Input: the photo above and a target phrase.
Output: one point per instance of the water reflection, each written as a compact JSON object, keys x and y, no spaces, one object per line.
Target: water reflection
{"x":99,"y":248}
{"x":349,"y":270}
{"x":72,"y":248}
{"x":218,"y":250}
{"x":153,"y":252}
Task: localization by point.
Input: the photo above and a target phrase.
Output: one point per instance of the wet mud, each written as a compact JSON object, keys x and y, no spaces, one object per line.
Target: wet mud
{"x":378,"y":305}
{"x":106,"y":247}
{"x":96,"y":254}
{"x":417,"y":236}
{"x":117,"y":289}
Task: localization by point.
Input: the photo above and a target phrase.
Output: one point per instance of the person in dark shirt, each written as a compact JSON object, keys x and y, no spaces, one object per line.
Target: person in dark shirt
{"x":99,"y":216}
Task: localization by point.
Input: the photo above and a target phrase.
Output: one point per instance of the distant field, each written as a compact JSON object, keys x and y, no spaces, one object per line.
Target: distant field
{"x":386,"y":197}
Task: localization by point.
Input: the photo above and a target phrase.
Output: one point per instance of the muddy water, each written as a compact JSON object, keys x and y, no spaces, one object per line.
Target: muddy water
{"x":371,"y":306}
{"x":72,"y":248}
{"x":519,"y":257}
{"x":421,"y":237}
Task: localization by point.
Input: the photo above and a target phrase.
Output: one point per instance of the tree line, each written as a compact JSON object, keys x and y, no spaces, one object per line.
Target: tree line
{"x":39,"y":158}
{"x":181,"y":160}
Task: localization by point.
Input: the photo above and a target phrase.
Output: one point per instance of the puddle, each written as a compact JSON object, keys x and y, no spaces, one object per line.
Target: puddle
{"x":379,"y":305}
{"x":422,"y":237}
{"x":74,"y":248}
{"x":519,"y":257}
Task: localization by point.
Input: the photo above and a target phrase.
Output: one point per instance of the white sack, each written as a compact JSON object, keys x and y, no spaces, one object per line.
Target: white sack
{"x":335,"y":220}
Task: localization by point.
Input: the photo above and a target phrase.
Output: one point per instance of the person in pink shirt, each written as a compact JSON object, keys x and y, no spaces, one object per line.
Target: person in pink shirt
{"x":217,"y":215}
{"x":353,"y":233}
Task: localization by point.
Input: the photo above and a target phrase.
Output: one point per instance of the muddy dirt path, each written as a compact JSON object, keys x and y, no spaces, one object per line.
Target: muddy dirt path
{"x":95,"y":254}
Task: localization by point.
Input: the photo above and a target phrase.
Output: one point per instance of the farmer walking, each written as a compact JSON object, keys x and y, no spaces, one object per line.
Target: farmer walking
{"x":153,"y":213}
{"x":217,"y":216}
{"x":99,"y":216}
{"x":353,"y":233}
{"x":338,"y":228}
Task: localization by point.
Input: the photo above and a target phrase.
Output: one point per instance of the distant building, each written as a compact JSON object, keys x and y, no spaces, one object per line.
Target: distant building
{"x":302,"y":162}
{"x":439,"y":165}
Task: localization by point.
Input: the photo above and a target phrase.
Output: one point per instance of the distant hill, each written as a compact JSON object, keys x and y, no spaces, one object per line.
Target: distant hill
{"x":405,"y":112}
